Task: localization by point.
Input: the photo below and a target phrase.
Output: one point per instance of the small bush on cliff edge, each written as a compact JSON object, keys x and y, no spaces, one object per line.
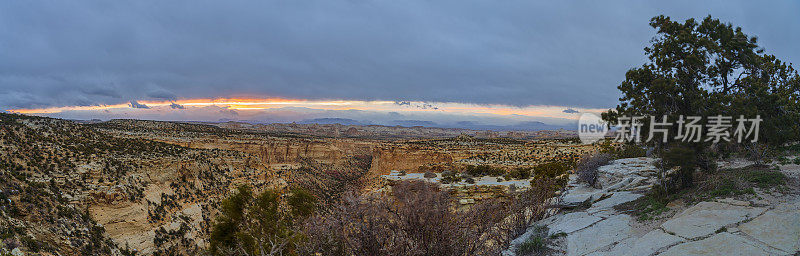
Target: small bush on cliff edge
{"x":588,"y":165}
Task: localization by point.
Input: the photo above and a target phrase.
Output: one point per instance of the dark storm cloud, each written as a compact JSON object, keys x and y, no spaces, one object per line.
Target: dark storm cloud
{"x":135,"y":104}
{"x":57,"y":53}
{"x":176,"y":106}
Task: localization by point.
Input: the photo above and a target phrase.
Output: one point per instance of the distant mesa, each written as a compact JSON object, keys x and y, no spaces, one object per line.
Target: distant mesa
{"x":342,"y":121}
{"x":352,"y":132}
{"x":522,"y":126}
{"x":412,"y":123}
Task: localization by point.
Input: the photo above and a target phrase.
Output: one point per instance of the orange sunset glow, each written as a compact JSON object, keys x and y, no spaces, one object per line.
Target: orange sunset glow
{"x":252,"y":104}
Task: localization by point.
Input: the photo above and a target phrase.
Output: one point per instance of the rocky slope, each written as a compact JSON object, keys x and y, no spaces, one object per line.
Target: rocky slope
{"x":766,"y":224}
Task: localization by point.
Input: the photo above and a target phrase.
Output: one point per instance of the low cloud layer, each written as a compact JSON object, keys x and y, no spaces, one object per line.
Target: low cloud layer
{"x":135,"y":104}
{"x":89,"y":53}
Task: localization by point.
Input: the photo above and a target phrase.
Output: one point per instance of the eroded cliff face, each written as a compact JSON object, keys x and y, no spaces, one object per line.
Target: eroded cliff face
{"x":389,"y":158}
{"x":177,"y":202}
{"x":282,"y":150}
{"x":287,"y":152}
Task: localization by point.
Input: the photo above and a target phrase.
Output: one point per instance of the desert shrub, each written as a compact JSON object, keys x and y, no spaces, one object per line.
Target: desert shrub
{"x":551,"y":169}
{"x":519,"y":173}
{"x":450,"y":177}
{"x":469,"y":180}
{"x":535,"y":244}
{"x":765,"y":178}
{"x":416,"y":220}
{"x":728,"y":187}
{"x":429,"y":175}
{"x":784,"y":160}
{"x":588,"y":165}
{"x":685,"y":158}
{"x":653,"y":204}
{"x":484,"y":170}
{"x":626,"y":150}
{"x":260,"y":225}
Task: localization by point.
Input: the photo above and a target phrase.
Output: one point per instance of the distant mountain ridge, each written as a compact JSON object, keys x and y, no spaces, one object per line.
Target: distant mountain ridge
{"x":470,"y":125}
{"x":328,"y":120}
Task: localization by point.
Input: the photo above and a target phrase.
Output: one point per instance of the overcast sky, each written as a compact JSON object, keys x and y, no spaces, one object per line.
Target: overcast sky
{"x":519,"y":53}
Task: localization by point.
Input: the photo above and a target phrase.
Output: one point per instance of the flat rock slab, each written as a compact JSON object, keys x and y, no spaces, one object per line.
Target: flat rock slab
{"x":720,"y":244}
{"x":652,"y":242}
{"x":646,"y":245}
{"x":779,"y":228}
{"x":580,"y":194}
{"x":618,"y":249}
{"x":616,"y":199}
{"x":599,"y":235}
{"x":705,"y":218}
{"x":572,"y":222}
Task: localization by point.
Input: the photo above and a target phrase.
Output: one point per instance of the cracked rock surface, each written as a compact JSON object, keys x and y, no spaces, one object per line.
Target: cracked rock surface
{"x":722,"y":227}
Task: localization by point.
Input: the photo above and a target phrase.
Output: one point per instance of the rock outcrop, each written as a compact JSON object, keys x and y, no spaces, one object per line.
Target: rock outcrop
{"x":721,"y":227}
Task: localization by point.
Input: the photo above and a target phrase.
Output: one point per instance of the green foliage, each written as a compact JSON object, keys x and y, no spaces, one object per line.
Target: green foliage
{"x":302,"y":203}
{"x":250,"y":225}
{"x":551,"y":169}
{"x":557,"y":235}
{"x":536,"y":244}
{"x":484,"y":170}
{"x":685,"y":159}
{"x":519,"y":173}
{"x":450,"y":177}
{"x":727,"y":187}
{"x":708,"y":68}
{"x":630,"y":151}
{"x":765,"y":178}
{"x":784,"y":160}
{"x":653,"y":204}
{"x":619,"y":151}
{"x":742,"y":181}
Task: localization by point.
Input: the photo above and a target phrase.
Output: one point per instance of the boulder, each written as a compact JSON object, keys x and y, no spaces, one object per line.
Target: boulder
{"x":627,"y":170}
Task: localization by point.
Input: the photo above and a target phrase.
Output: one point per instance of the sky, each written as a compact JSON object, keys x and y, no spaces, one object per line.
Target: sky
{"x":495,"y":62}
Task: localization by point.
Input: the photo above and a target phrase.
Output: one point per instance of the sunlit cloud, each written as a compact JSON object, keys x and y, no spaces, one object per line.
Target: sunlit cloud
{"x":288,"y":110}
